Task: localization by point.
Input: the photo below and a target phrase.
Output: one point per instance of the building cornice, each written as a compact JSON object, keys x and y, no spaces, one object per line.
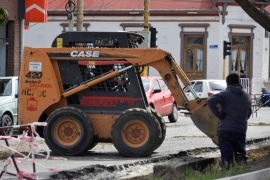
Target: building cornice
{"x":140,"y":12}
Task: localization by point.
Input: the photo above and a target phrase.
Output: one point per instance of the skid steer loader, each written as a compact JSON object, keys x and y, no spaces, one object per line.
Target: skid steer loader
{"x":75,"y":89}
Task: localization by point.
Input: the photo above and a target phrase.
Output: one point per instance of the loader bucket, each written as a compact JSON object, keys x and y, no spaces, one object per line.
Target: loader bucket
{"x":207,"y":122}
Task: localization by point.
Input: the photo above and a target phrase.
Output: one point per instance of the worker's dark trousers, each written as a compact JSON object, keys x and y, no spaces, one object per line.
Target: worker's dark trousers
{"x":232,"y":144}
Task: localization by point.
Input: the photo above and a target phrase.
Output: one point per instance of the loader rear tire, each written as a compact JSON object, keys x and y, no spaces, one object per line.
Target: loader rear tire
{"x":161,"y":123}
{"x":69,"y":131}
{"x":136,"y":133}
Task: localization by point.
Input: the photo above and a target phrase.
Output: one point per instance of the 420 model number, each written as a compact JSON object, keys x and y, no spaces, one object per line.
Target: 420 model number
{"x":34,"y":75}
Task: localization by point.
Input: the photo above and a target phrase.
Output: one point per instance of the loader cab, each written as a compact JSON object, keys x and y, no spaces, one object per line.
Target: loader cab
{"x":110,"y":96}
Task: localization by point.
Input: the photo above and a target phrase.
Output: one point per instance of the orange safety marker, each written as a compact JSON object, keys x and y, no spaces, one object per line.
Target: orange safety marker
{"x":36,"y":11}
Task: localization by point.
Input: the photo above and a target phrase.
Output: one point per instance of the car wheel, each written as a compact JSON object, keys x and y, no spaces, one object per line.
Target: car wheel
{"x":7,"y":121}
{"x":174,"y":115}
{"x":136,"y":133}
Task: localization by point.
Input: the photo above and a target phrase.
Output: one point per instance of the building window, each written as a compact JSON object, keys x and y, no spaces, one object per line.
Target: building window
{"x":240,"y":54}
{"x":194,"y":60}
{"x":193,"y":49}
{"x":242,"y":45}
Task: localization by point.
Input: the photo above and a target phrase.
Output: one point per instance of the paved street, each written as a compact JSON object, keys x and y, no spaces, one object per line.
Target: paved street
{"x":181,"y":136}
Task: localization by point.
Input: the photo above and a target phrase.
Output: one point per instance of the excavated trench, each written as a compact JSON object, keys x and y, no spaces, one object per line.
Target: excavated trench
{"x":258,"y":151}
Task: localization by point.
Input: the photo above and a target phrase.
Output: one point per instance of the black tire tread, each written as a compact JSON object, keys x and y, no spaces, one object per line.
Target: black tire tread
{"x":161,"y":123}
{"x":149,"y":147}
{"x":81,"y":146}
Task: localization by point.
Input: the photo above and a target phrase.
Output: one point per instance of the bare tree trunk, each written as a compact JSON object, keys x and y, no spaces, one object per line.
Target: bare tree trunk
{"x":258,"y":16}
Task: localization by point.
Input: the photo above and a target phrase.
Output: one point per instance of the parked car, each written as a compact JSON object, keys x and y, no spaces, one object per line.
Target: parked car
{"x":8,"y":102}
{"x":159,"y":97}
{"x":205,"y":88}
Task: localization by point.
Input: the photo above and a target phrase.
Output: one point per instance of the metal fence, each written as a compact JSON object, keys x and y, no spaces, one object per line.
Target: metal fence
{"x":254,"y":85}
{"x":245,"y":82}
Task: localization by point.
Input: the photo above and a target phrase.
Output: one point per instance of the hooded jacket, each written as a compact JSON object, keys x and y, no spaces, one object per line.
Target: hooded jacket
{"x":233,"y":107}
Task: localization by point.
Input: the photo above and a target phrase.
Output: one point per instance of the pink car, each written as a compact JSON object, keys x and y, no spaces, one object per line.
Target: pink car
{"x":159,"y":97}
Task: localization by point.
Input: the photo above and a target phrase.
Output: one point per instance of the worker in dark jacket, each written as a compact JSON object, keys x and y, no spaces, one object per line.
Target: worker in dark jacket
{"x":265,"y":97}
{"x":233,"y":108}
{"x":242,"y":74}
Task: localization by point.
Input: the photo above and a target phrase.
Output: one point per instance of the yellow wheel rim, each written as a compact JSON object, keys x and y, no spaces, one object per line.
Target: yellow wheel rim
{"x":67,"y":132}
{"x":135,"y":133}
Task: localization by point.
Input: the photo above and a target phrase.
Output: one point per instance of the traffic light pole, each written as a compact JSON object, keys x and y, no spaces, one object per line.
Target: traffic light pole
{"x":146,"y":15}
{"x":70,"y":18}
{"x":145,"y":71}
{"x":80,"y":16}
{"x":224,"y":69}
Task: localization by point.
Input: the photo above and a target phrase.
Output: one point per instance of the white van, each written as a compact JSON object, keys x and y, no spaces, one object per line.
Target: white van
{"x":8,"y":101}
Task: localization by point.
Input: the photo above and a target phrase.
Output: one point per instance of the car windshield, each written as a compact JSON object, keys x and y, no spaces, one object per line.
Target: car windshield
{"x":5,"y":87}
{"x":217,"y":85}
{"x":146,"y":84}
{"x":187,"y":88}
{"x":163,"y":85}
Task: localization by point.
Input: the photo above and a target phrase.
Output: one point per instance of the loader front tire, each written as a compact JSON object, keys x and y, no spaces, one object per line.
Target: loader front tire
{"x":136,"y":133}
{"x":69,"y":131}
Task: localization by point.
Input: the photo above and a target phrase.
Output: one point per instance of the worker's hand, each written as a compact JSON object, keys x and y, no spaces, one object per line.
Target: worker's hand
{"x":222,"y":115}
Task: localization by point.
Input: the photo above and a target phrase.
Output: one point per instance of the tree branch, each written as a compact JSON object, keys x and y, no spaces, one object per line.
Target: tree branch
{"x":254,"y":13}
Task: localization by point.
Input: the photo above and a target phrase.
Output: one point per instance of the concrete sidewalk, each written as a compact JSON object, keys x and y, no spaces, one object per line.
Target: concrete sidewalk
{"x":263,"y":174}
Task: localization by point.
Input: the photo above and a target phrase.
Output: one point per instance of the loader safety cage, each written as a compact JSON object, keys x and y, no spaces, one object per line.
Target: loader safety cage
{"x":123,"y":92}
